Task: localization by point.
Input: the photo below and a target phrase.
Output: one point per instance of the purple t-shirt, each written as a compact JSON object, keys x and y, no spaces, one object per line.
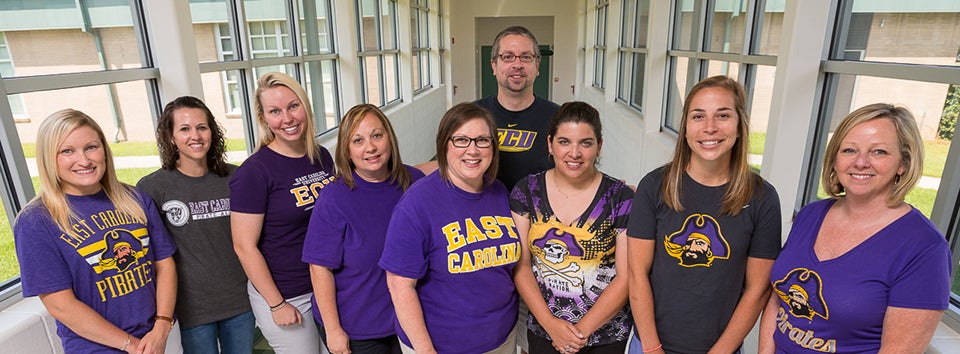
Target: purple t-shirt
{"x":284,"y":189}
{"x":111,"y":269}
{"x":461,"y":247}
{"x":838,"y":305}
{"x":346,"y":234}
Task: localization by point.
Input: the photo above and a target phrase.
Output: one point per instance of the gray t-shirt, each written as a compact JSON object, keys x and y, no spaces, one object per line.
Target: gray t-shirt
{"x":211,"y":284}
{"x":700,"y":257}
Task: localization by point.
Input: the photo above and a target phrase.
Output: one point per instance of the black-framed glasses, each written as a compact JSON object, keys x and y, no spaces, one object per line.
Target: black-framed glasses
{"x":480,"y":141}
{"x":524,"y":58}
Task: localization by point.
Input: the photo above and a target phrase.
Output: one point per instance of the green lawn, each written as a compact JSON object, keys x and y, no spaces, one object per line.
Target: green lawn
{"x":934,"y":151}
{"x":8,"y":259}
{"x":756,"y":143}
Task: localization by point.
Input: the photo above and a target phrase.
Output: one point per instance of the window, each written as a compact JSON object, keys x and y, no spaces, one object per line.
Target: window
{"x":266,"y":39}
{"x":717,"y":38}
{"x":229,"y":79}
{"x":379,"y":64}
{"x":441,"y":43}
{"x":905,"y":54}
{"x":632,"y":55}
{"x":600,"y":42}
{"x":420,"y":37}
{"x":6,"y":70}
{"x":101,"y":40}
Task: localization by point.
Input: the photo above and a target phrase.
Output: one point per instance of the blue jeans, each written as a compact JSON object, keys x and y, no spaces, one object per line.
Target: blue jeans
{"x":234,"y":334}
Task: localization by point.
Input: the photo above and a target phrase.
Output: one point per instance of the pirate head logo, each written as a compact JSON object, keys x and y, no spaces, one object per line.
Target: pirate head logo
{"x":698,"y":243}
{"x":802,"y":289}
{"x":123,"y":250}
{"x":557,"y":245}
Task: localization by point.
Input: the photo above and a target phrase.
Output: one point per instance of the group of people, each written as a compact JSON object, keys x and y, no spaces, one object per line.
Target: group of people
{"x":512,"y":237}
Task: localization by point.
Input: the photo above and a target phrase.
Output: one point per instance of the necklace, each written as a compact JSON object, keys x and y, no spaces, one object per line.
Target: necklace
{"x":565,"y":195}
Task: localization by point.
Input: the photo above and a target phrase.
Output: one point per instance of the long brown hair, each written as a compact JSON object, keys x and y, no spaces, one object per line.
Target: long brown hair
{"x":741,"y":182}
{"x":169,"y":154}
{"x":348,"y":126}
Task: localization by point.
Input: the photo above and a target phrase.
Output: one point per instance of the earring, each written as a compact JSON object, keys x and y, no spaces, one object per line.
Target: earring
{"x":896,"y":181}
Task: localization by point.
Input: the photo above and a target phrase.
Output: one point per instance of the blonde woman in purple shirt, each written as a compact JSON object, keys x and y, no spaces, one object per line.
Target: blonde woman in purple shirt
{"x":286,"y":173}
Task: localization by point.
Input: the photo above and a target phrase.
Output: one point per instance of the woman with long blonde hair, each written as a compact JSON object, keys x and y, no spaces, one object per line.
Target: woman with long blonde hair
{"x":94,"y":249}
{"x":286,"y":173}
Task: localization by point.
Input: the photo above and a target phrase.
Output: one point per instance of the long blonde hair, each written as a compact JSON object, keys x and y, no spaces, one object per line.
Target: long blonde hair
{"x":741,"y":181}
{"x":275,"y":79}
{"x":53,"y":131}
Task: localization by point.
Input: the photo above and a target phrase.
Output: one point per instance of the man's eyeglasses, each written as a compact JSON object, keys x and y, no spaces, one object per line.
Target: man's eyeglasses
{"x":480,"y":141}
{"x":524,"y":58}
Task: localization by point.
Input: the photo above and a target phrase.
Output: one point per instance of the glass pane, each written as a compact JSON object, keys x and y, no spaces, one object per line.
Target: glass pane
{"x":729,"y":26}
{"x":723,"y":68}
{"x":223,"y":97}
{"x":933,"y":105}
{"x":321,"y":88}
{"x":9,"y":267}
{"x":415,"y":27}
{"x":639,"y":63}
{"x":210,"y":25}
{"x":771,"y":22}
{"x":761,"y":95}
{"x":424,"y":38}
{"x":679,"y":83}
{"x":121,"y":109}
{"x":17,"y":106}
{"x":598,"y":58}
{"x":268,"y":27}
{"x":391,"y":76}
{"x":602,"y":25}
{"x":915,"y":32}
{"x":218,"y":47}
{"x":624,"y":79}
{"x":371,"y":80}
{"x":628,"y":22}
{"x":425,"y":60}
{"x":388,"y":12}
{"x":415,"y":58}
{"x":98,"y":35}
{"x":288,"y":69}
{"x":369,"y":32}
{"x":684,"y":34}
{"x":643,"y":17}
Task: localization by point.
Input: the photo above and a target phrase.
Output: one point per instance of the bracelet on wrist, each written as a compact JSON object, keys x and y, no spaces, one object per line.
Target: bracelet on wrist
{"x":278,"y":307}
{"x":165,"y":318}
{"x":126,"y":342}
{"x":651,"y":350}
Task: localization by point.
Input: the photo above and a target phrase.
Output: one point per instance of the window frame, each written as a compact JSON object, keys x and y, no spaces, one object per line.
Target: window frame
{"x":947,"y":199}
{"x":420,"y":47}
{"x":381,"y":52}
{"x":630,"y":49}
{"x":601,"y":9}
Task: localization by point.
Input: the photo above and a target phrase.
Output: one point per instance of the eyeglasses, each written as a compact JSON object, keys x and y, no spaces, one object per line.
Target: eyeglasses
{"x":480,"y":141}
{"x":524,"y":58}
